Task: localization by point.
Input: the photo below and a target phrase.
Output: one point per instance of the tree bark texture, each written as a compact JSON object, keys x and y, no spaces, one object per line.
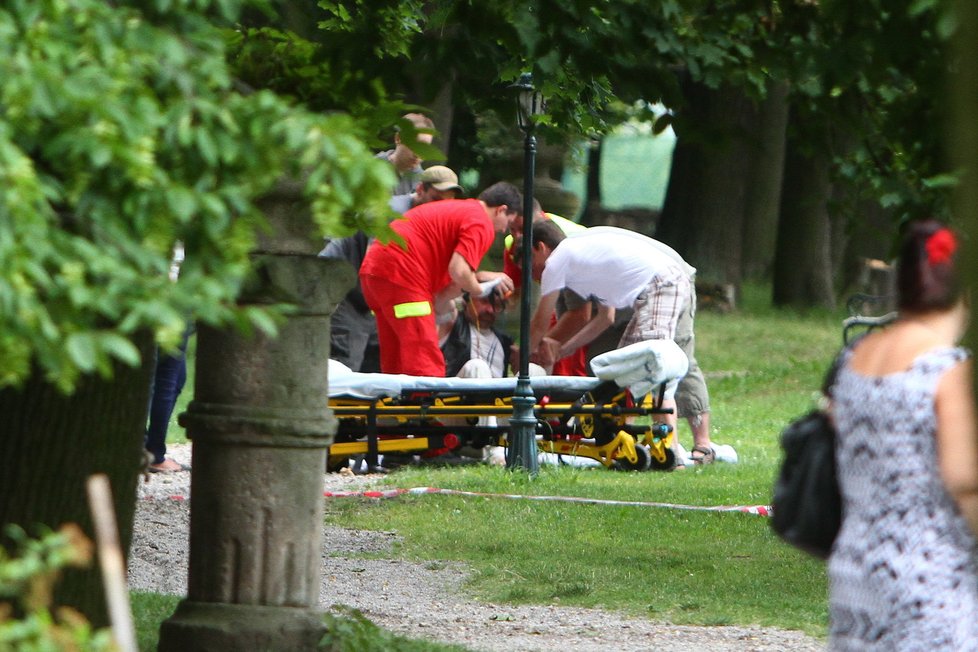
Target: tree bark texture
{"x":592,"y":187}
{"x":803,"y":264}
{"x":764,"y":173}
{"x":51,"y":443}
{"x":703,"y":214}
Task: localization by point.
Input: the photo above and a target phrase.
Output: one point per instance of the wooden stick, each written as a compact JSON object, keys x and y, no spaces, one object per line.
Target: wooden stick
{"x":111,"y":560}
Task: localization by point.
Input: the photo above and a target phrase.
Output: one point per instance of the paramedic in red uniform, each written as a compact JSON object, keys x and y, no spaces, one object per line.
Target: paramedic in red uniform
{"x":407,"y":285}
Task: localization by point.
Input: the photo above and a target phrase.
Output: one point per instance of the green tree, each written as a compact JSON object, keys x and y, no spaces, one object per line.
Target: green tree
{"x":122,"y":132}
{"x":867,"y":79}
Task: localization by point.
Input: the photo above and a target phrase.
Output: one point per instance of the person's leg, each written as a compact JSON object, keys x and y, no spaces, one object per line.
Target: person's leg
{"x":406,"y":328}
{"x":348,"y":335}
{"x":474,"y":368}
{"x":381,"y":297}
{"x":692,"y":397}
{"x":168,"y":381}
{"x":656,"y":315}
{"x":371,"y":352}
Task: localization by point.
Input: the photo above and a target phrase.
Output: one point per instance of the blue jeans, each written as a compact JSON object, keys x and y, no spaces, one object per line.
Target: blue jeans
{"x":168,"y":381}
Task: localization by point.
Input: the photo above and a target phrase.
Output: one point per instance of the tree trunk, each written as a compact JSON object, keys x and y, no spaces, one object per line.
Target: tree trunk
{"x":443,"y":112}
{"x":592,"y":188}
{"x":803,"y":264}
{"x":764,"y":176}
{"x":51,"y":443}
{"x":703,"y":215}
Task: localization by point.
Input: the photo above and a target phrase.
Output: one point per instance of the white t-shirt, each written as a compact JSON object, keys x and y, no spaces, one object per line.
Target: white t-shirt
{"x":610,"y":264}
{"x":661,"y":246}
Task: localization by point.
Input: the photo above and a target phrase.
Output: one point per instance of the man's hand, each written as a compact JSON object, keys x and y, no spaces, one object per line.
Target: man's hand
{"x":548,"y":353}
{"x":514,"y":357}
{"x":499,"y":281}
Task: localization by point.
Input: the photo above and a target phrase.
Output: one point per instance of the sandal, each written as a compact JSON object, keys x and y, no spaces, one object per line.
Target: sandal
{"x":706,"y":455}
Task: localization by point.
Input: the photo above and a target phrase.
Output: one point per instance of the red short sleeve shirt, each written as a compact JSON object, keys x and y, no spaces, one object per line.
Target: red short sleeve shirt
{"x":432,"y":232}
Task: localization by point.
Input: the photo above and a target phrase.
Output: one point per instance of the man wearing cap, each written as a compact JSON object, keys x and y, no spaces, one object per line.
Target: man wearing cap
{"x":436,"y":183}
{"x":407,"y":284}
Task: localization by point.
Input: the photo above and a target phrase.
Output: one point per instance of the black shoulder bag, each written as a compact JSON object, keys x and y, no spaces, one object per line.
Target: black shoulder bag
{"x":807,"y":507}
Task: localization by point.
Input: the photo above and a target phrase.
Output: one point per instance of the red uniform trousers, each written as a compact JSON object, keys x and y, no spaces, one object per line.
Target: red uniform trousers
{"x":406,"y":330}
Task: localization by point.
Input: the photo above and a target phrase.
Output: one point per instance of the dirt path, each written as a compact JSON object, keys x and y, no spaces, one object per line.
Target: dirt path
{"x":428,"y":600}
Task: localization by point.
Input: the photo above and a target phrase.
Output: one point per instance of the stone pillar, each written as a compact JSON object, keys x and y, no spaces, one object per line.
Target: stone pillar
{"x":260,"y":426}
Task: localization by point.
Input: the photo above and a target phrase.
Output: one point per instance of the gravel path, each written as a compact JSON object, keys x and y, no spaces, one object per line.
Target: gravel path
{"x":427,"y":600}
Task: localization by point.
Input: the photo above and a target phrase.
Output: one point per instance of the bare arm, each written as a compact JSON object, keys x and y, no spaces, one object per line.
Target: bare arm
{"x":445,"y":321}
{"x":957,"y":440}
{"x":570,"y":322}
{"x":464,"y":278}
{"x":604,"y":317}
{"x":540,"y":322}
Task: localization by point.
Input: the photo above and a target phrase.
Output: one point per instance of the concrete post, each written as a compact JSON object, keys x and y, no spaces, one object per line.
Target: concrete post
{"x":260,"y":427}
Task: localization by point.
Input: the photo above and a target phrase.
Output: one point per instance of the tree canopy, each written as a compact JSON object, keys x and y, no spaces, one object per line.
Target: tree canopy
{"x":128,"y":126}
{"x":122,"y":132}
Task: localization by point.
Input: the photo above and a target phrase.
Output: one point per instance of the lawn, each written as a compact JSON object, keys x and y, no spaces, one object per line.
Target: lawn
{"x":763,"y":367}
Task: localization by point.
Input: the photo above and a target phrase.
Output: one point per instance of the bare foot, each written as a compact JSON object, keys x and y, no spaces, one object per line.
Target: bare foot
{"x":168,"y":466}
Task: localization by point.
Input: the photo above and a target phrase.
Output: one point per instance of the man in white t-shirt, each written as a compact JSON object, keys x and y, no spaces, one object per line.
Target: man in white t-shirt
{"x":620,"y":269}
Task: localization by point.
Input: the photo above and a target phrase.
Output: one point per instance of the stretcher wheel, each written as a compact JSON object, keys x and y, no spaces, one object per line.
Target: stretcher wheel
{"x":667,"y":465}
{"x":641,"y":464}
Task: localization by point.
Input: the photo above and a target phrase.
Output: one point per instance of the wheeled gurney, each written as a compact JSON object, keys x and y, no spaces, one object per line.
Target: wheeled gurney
{"x":593,"y":417}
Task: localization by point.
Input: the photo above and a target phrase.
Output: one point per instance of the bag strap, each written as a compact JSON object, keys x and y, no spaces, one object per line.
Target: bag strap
{"x":829,"y":382}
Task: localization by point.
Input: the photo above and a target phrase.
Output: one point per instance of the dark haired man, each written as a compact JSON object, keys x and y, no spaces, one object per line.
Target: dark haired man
{"x":407,"y":285}
{"x":624,"y":270}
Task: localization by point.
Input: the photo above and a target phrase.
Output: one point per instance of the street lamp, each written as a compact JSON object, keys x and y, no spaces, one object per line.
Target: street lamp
{"x":522,"y":437}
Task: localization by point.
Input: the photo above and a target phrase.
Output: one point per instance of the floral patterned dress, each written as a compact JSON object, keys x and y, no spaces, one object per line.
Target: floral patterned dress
{"x":902,"y":573}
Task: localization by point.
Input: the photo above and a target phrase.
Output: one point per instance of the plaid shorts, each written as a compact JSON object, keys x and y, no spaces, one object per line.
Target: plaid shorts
{"x":657,"y":308}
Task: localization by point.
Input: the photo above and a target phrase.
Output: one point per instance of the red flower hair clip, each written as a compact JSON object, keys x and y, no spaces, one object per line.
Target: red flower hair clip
{"x":941,"y":246}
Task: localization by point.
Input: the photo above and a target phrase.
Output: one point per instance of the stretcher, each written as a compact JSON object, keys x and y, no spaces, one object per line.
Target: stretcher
{"x":613,"y":418}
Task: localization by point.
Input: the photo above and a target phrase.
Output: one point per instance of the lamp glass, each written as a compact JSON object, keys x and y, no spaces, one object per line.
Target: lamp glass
{"x":529,"y":104}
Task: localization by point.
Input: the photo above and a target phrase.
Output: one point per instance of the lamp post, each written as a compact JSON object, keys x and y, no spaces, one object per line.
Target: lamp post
{"x":522,"y":437}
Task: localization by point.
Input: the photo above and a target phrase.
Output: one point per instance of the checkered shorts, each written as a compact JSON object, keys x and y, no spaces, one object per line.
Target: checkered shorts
{"x":657,"y":308}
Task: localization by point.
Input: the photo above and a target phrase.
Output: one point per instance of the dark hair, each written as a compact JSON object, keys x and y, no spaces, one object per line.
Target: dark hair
{"x":537,"y":209}
{"x":501,"y":193}
{"x":547,"y":232}
{"x":926,"y":275}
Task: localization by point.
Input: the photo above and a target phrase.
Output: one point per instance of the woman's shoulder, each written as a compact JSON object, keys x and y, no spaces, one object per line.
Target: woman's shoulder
{"x":898,"y":349}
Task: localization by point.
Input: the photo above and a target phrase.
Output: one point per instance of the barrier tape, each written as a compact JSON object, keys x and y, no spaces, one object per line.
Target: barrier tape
{"x":758,"y":510}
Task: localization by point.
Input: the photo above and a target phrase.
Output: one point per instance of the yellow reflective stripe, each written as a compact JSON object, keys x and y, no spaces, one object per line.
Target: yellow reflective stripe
{"x":412,"y":309}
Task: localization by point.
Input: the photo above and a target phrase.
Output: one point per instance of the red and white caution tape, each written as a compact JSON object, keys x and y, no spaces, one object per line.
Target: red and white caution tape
{"x":759,"y":510}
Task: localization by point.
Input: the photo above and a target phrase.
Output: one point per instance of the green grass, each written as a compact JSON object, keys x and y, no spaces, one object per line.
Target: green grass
{"x":149,"y":610}
{"x":708,"y":568}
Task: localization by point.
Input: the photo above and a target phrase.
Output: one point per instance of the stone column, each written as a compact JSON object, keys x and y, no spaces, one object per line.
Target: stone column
{"x":260,"y":426}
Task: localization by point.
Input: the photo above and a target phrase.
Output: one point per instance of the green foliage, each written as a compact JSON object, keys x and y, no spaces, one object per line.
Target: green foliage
{"x":351,"y":631}
{"x":122,"y":134}
{"x":392,"y":24}
{"x":867,"y":78}
{"x":27,"y":577}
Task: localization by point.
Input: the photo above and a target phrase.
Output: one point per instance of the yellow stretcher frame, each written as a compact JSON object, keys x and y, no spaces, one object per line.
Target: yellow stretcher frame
{"x":596,"y":426}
